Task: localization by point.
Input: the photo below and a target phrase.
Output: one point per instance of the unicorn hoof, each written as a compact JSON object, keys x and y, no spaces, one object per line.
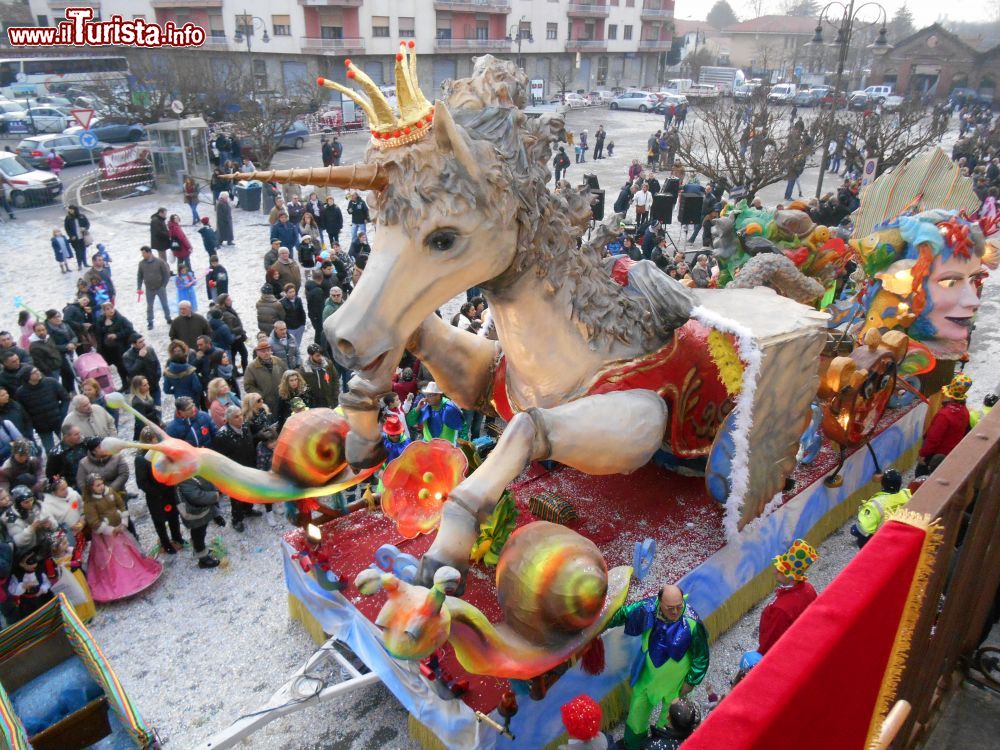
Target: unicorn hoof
{"x":428,"y":573}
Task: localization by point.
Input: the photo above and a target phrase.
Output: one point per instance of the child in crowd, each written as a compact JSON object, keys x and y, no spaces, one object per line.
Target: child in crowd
{"x":185,"y":281}
{"x":611,"y":148}
{"x":28,"y":587}
{"x":208,"y":237}
{"x":62,"y":250}
{"x":217,"y":278}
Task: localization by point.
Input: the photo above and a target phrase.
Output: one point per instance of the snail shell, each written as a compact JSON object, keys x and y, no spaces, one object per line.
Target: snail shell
{"x":550,"y":582}
{"x":310,"y":448}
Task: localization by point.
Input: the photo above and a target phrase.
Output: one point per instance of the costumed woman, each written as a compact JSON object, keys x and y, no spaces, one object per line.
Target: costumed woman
{"x":117,"y":567}
{"x":673,"y":659}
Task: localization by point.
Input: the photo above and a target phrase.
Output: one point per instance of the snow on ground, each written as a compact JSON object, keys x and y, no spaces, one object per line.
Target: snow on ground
{"x":202,"y":648}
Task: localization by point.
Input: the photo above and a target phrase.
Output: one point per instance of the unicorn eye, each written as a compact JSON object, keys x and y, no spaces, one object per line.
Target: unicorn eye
{"x":441,"y":240}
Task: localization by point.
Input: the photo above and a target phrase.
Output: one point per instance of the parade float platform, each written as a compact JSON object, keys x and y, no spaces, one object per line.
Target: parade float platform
{"x":723,"y":578}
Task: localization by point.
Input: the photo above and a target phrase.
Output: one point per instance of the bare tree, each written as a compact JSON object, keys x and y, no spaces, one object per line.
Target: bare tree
{"x":563,"y":78}
{"x":744,"y":144}
{"x":890,"y":137}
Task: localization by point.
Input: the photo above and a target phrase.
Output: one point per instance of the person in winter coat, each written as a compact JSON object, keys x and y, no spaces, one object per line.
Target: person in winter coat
{"x":44,"y":353}
{"x":141,"y":360}
{"x":232,"y":319}
{"x":292,"y":387}
{"x":220,"y":365}
{"x":288,"y":271}
{"x":257,"y":416}
{"x":358,"y":210}
{"x":64,"y":459}
{"x":283,"y":345}
{"x":198,"y":503}
{"x":264,"y":374}
{"x":92,"y":419}
{"x":144,"y":403}
{"x":224,"y":219}
{"x":111,"y":467}
{"x":153,"y":273}
{"x":46,"y":402}
{"x":315,"y":299}
{"x":217,"y":278}
{"x":113,"y":330}
{"x":222,"y":336}
{"x":560,"y":163}
{"x":12,"y":412}
{"x":76,"y":224}
{"x":160,"y":498}
{"x":295,"y":314}
{"x":159,"y":233}
{"x":285,"y":232}
{"x":188,"y":325}
{"x":61,"y":333}
{"x":179,"y":243}
{"x":359,"y":246}
{"x":22,"y":469}
{"x":320,"y":378}
{"x":234,"y":440}
{"x":62,"y":250}
{"x":308,"y":251}
{"x":181,"y":378}
{"x":63,"y":504}
{"x":208,"y":236}
{"x":949,"y":426}
{"x":191,"y":424}
{"x":332,"y":220}
{"x":268,"y":310}
{"x":191,"y":198}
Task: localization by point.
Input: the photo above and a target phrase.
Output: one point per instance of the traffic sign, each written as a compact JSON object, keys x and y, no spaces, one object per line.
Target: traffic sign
{"x":83,"y":117}
{"x":88,"y":139}
{"x":177,"y":106}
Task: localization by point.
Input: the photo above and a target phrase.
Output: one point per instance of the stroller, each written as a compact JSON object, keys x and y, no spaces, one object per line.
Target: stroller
{"x":93,"y":365}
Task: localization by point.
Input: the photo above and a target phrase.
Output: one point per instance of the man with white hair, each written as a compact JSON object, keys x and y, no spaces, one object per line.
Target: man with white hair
{"x":91,"y":419}
{"x":283,"y":345}
{"x":188,"y":326}
{"x":235,"y":441}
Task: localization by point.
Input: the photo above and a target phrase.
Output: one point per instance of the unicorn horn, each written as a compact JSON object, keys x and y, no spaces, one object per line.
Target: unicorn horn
{"x":358,"y":176}
{"x":117,"y":400}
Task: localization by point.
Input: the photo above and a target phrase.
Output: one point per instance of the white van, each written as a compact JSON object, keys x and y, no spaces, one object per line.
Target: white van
{"x":782,"y":93}
{"x":25,"y":185}
{"x":677,"y":85}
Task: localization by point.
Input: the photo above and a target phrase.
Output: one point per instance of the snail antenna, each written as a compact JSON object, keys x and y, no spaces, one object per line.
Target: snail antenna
{"x":117,"y":401}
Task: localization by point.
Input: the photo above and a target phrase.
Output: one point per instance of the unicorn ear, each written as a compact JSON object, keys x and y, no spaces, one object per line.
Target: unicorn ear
{"x":450,"y":138}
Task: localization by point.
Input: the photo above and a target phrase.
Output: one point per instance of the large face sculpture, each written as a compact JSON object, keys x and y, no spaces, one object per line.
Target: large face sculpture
{"x":926,"y":274}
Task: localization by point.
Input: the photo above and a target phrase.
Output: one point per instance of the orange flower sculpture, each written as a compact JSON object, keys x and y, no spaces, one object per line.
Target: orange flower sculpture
{"x":417,"y":484}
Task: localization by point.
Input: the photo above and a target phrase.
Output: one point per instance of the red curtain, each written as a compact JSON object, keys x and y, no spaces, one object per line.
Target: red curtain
{"x":820,"y":682}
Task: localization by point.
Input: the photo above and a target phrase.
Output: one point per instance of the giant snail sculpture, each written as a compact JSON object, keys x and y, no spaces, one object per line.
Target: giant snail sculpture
{"x":460,"y":192}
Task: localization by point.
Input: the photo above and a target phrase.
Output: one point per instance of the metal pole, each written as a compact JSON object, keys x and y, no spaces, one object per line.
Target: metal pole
{"x":846,"y":25}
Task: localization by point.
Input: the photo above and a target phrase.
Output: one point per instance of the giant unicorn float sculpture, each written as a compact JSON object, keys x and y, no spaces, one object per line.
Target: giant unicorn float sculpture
{"x":460,"y":192}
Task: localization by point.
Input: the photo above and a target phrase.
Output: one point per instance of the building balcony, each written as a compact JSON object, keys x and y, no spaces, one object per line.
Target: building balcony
{"x":332,"y":3}
{"x":216,"y":43}
{"x":654,"y":45}
{"x":587,"y":10}
{"x":473,"y":6}
{"x":656,"y":14}
{"x":586,"y":45}
{"x":340,"y":46}
{"x":472,"y":45}
{"x":64,"y":4}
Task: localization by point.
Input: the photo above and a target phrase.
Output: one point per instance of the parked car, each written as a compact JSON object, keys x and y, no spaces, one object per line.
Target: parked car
{"x":874,"y":94}
{"x":111,"y":132}
{"x":745,"y":91}
{"x":576,"y":101}
{"x":643,"y":101}
{"x":47,"y":100}
{"x":25,"y":184}
{"x":46,"y":119}
{"x":782,"y":93}
{"x":833,"y":99}
{"x":11,"y":112}
{"x":806,"y":98}
{"x":295,"y":137}
{"x":893,"y":102}
{"x":669,"y":100}
{"x":601,"y":96}
{"x":702,"y":91}
{"x":36,"y":150}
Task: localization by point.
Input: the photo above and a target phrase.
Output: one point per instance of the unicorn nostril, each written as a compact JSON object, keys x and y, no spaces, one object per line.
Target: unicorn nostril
{"x":345,"y":347}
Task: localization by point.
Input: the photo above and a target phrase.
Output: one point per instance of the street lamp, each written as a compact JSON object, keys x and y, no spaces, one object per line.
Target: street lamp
{"x":245,"y":31}
{"x":520,"y":36}
{"x":845,"y":28}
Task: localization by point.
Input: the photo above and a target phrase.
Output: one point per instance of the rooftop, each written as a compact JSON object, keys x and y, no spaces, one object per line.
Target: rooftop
{"x":774,"y":25}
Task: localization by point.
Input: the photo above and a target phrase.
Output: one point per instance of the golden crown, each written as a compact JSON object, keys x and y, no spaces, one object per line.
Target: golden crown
{"x":416,"y":114}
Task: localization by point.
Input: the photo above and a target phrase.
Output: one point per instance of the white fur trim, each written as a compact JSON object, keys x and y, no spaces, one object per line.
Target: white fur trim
{"x":750,"y":353}
{"x":104,"y":528}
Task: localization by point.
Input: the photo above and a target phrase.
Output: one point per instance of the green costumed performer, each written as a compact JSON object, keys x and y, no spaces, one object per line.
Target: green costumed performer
{"x":672,"y":661}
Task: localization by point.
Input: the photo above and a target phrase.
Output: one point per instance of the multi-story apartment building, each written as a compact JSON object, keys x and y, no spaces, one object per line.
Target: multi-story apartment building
{"x":601,"y":43}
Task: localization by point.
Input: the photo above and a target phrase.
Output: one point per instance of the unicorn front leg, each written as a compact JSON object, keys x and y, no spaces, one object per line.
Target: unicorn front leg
{"x":572,"y":434}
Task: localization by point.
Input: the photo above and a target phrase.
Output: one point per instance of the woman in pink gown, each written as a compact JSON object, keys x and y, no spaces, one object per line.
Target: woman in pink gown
{"x":117,"y":567}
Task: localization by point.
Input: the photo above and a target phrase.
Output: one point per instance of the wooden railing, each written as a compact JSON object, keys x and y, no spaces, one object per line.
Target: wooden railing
{"x":963,"y":494}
